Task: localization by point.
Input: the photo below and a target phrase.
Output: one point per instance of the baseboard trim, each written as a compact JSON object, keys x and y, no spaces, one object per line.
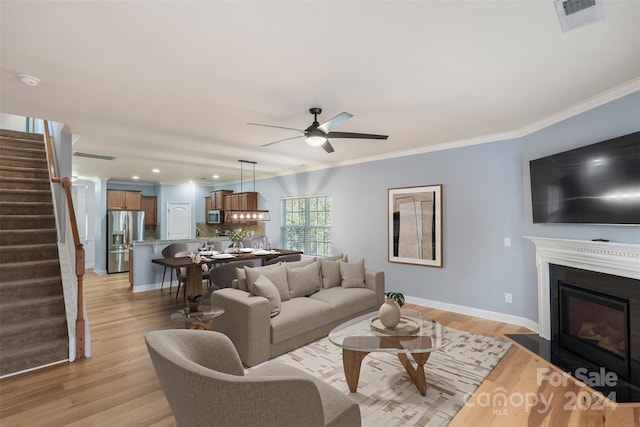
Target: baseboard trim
{"x":13,"y":374}
{"x":476,"y":312}
{"x":145,"y":288}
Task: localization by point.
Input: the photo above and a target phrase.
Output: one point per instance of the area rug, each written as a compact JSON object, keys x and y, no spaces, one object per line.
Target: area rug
{"x":386,"y":395}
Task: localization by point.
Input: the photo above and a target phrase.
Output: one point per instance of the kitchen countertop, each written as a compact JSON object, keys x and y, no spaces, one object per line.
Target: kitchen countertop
{"x":197,"y":239}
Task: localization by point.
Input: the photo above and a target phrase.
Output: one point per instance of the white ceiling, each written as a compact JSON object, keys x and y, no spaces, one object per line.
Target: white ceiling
{"x":172,"y":84}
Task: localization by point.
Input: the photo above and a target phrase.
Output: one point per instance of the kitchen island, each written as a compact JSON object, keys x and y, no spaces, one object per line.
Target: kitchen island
{"x":145,"y":275}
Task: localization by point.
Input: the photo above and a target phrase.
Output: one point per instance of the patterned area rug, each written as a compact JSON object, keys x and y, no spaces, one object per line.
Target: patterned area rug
{"x":386,"y":395}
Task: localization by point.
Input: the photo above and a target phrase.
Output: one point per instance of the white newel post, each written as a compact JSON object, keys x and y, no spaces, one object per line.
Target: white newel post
{"x":619,"y":259}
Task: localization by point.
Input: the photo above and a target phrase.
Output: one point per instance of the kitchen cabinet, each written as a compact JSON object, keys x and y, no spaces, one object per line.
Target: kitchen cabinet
{"x":150,"y":208}
{"x":208,"y":205}
{"x":218,"y":199}
{"x":242,"y":201}
{"x":124,"y":200}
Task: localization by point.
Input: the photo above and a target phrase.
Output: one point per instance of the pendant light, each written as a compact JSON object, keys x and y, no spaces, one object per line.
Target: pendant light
{"x":247,"y":215}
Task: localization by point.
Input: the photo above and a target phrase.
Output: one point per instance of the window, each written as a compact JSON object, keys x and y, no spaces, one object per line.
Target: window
{"x":306,"y":224}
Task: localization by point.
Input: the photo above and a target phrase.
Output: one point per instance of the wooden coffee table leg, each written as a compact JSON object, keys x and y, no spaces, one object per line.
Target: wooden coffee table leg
{"x":352,"y":361}
{"x":416,"y":374}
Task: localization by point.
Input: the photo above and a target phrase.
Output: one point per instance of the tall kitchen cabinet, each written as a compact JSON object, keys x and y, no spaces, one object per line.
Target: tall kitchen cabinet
{"x":121,"y":200}
{"x":150,"y":208}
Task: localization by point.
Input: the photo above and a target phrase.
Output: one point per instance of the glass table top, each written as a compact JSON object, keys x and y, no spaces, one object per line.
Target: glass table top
{"x":206,"y":313}
{"x":359,"y":335}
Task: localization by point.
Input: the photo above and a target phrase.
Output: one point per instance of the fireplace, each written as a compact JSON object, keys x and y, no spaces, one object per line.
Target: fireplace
{"x":591,"y":315}
{"x":589,"y":311}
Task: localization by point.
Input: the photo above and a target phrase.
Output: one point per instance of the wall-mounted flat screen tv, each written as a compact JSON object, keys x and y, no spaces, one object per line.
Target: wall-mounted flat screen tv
{"x":595,"y":184}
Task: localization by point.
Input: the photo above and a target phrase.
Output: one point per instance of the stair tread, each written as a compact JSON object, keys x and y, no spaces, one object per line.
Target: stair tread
{"x":26,"y":217}
{"x":27,"y":231}
{"x":19,"y":168}
{"x":29,"y":264}
{"x":20,"y":190}
{"x":17,"y":134}
{"x":44,"y":281}
{"x":26,"y":203}
{"x":28,"y":246}
{"x":36,"y":323}
{"x":33,"y":348}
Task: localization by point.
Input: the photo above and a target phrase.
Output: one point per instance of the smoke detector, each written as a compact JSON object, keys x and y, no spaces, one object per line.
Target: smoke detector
{"x":577,"y":13}
{"x":29,"y":80}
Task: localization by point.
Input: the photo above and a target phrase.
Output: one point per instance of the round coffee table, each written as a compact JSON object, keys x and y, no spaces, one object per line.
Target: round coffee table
{"x":198,"y":319}
{"x":357,"y":339}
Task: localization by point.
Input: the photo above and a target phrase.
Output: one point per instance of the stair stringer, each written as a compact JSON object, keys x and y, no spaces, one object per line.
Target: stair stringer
{"x":66,"y":253}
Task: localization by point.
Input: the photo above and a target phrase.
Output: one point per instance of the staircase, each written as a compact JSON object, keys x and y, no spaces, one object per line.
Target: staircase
{"x":33,"y":324}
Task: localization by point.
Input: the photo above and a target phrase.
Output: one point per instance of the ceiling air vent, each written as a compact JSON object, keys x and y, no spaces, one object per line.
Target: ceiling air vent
{"x":576,"y":13}
{"x":92,"y":156}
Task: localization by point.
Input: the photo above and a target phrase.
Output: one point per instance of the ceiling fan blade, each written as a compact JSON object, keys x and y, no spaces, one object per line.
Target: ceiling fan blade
{"x":281,"y":140}
{"x":327,"y":147}
{"x":334,"y":122}
{"x":277,"y":127}
{"x":356,"y":135}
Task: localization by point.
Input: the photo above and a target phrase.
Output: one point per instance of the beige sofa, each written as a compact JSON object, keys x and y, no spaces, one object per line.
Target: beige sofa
{"x":275,"y":309}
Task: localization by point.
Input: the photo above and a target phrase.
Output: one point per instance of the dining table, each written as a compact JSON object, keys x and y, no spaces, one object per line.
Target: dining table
{"x":193,"y":282}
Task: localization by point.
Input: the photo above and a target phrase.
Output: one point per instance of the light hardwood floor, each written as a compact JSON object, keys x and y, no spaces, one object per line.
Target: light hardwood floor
{"x":117,"y":386}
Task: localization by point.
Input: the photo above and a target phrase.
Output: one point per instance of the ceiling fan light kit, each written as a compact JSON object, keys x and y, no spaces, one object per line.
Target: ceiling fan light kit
{"x":318,"y":135}
{"x":316,"y":140}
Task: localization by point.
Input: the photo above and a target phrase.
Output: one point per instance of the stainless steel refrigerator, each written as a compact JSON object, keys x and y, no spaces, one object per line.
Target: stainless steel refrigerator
{"x":123,"y":228}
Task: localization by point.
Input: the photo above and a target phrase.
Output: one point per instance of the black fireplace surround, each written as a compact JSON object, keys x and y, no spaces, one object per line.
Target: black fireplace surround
{"x":595,"y":324}
{"x":597,"y":316}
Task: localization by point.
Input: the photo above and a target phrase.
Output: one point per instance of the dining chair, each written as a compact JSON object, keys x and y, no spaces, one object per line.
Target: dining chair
{"x":182,"y":275}
{"x":222,"y":276}
{"x":216,"y":245}
{"x":284,"y":258}
{"x":170,"y":252}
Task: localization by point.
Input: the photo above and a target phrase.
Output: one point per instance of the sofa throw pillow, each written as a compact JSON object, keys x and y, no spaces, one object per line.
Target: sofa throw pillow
{"x":340,"y":257}
{"x":304,"y":281}
{"x":301,"y":263}
{"x":277,"y":275}
{"x":352,"y":274}
{"x":265,"y":288}
{"x":330,"y":273}
{"x":242,"y":277}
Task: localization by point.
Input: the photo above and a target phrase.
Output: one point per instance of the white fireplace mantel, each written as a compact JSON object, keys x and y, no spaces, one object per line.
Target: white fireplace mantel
{"x":619,"y":259}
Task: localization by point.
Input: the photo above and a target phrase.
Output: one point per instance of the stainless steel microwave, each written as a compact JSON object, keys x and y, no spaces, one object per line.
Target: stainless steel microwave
{"x":215,"y":216}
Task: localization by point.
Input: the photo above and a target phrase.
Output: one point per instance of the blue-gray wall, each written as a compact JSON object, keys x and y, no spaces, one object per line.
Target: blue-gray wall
{"x":486,"y":198}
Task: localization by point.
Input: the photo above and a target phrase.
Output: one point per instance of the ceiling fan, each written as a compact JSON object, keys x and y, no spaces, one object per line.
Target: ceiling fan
{"x":318,"y":134}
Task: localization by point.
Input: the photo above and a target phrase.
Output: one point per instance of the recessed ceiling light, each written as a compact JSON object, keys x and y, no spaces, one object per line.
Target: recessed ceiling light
{"x":135,"y":177}
{"x":29,"y":80}
{"x":155,"y":170}
{"x":216,"y":176}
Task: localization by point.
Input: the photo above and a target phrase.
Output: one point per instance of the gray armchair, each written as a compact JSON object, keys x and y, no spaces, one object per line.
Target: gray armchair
{"x":205,"y":384}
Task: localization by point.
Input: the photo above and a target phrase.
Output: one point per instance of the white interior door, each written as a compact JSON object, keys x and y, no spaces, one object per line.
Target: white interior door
{"x":178,"y":220}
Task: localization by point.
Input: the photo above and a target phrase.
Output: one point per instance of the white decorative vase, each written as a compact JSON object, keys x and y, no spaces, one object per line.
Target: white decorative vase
{"x":237,"y":247}
{"x":389,"y":313}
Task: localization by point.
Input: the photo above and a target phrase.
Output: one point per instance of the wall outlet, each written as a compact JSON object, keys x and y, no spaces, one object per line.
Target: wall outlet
{"x":507,"y":242}
{"x":508,"y":298}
